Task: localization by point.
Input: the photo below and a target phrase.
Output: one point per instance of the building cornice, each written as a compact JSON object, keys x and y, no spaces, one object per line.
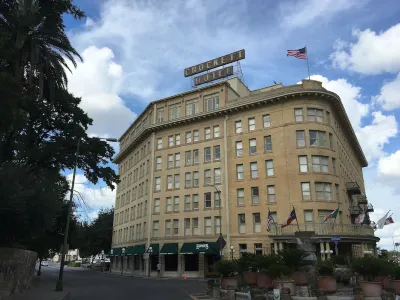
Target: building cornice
{"x":246,"y":103}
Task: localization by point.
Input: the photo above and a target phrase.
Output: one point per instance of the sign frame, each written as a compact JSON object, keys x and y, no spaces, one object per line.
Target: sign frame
{"x":211,"y":76}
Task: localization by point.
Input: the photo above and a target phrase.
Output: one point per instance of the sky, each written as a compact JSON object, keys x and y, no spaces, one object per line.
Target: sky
{"x":135,"y":52}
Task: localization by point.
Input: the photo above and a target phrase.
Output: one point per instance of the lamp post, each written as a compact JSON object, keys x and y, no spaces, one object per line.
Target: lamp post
{"x":232,"y":251}
{"x":220,"y":219}
{"x":122,"y":260}
{"x":111,"y":256}
{"x":59,"y":285}
{"x":149,"y":252}
{"x":102,"y":260}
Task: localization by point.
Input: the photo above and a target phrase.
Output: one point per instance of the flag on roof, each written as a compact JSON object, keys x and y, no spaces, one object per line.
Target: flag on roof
{"x":299,"y":53}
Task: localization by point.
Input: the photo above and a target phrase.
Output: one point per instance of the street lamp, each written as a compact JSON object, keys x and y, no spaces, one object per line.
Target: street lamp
{"x":220,"y":219}
{"x":149,"y":252}
{"x":102,"y":260}
{"x":122,"y":260}
{"x":111,"y":259}
{"x":232,"y":251}
{"x":59,"y":285}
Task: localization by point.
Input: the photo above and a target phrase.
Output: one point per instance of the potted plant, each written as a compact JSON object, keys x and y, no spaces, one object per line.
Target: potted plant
{"x":326,"y":282}
{"x":227,"y":271}
{"x":395,"y":281}
{"x":247,"y":267}
{"x":386,"y":272}
{"x":370,"y":268}
{"x":295,"y":259}
{"x":264,"y":280}
{"x":282,"y":277}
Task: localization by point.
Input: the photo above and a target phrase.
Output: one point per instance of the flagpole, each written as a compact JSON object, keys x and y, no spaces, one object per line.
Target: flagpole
{"x":297,"y":221}
{"x":308,"y":66}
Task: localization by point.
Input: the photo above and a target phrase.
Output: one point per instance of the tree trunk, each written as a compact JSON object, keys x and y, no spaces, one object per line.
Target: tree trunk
{"x":39,"y":272}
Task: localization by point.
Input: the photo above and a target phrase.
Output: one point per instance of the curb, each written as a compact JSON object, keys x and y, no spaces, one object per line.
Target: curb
{"x":66,"y":296}
{"x":155,"y":278}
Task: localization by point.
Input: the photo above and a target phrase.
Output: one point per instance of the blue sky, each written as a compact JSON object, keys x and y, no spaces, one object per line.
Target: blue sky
{"x":135,"y":52}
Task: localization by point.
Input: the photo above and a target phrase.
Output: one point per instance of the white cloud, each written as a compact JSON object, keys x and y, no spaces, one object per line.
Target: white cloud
{"x":373,"y":53}
{"x":389,"y":171}
{"x":389,"y":97}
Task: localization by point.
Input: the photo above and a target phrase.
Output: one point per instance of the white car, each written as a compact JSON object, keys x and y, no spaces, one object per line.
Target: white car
{"x":45,"y":263}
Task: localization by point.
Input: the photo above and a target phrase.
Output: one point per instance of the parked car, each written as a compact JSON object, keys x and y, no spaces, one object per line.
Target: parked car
{"x":45,"y":263}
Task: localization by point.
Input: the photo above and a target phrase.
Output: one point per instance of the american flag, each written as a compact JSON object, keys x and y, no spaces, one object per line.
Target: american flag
{"x":299,"y":53}
{"x":269,"y":220}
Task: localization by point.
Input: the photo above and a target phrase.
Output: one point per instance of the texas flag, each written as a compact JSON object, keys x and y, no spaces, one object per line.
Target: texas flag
{"x":389,"y":221}
{"x":291,"y":218}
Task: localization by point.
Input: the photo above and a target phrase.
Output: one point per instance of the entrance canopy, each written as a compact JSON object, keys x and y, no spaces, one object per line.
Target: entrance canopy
{"x":115,"y":252}
{"x":140,"y":249}
{"x":130,"y":250}
{"x":199,"y":248}
{"x":169,"y":248}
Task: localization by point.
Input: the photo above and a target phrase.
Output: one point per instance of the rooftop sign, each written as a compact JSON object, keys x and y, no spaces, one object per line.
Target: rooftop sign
{"x":215,"y":63}
{"x":221,"y":73}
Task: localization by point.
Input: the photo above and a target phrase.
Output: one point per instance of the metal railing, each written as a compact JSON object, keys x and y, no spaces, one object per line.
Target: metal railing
{"x":324,"y":229}
{"x":353,"y":188}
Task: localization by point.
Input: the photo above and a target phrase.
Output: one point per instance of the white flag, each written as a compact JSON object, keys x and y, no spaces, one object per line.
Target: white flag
{"x":382,"y":221}
{"x":360,"y":219}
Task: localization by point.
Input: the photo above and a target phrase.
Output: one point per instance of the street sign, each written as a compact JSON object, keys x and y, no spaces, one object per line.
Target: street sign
{"x":223,"y":244}
{"x":335,"y":239}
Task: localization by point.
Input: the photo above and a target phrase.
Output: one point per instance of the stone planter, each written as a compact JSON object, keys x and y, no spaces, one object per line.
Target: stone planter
{"x":229,"y":281}
{"x":371,"y":289}
{"x":250,"y":278}
{"x":288,"y":284}
{"x":326,"y":284}
{"x":300,"y":277}
{"x":264,"y":281}
{"x":385,"y":281}
{"x":395,"y":284}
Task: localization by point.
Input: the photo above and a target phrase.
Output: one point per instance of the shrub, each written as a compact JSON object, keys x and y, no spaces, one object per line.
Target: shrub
{"x":324,"y":268}
{"x":396,"y":273}
{"x":74,"y":264}
{"x":279,"y":271}
{"x":387,"y":268}
{"x":248,"y":262}
{"x":295,"y":259}
{"x":226,"y":268}
{"x":266,"y":261}
{"x":368,"y":266}
{"x":340,"y":260}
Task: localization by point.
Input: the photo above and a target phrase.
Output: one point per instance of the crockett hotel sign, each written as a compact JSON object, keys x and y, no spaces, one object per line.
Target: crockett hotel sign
{"x":215,"y":63}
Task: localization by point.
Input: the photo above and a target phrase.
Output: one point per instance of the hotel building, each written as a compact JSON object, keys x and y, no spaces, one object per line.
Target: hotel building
{"x":214,"y":160}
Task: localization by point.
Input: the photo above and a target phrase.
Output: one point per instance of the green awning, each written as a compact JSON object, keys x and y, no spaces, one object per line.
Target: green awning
{"x":169,"y":248}
{"x":115,"y":251}
{"x":155,"y":248}
{"x":139,"y":249}
{"x":199,"y":247}
{"x":130,"y":250}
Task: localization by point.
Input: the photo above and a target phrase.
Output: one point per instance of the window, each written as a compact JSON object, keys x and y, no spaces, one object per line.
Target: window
{"x":160,"y":115}
{"x":238,"y":126}
{"x":216,"y":131}
{"x":337,"y":193}
{"x":207,"y":177}
{"x":207,"y":154}
{"x":167,"y":227}
{"x":207,"y":200}
{"x":187,"y":203}
{"x":298,"y":114}
{"x":314,"y":114}
{"x":188,"y":136}
{"x":300,"y":138}
{"x":170,"y":141}
{"x":168,"y":205}
{"x":269,"y":166}
{"x":254,"y":170}
{"x":323,"y":190}
{"x":207,"y":225}
{"x":192,"y":107}
{"x":242,"y":249}
{"x":271,"y":194}
{"x":317,"y":138}
{"x":195,"y":135}
{"x":217,"y":225}
{"x":174,"y":111}
{"x":239,"y":172}
{"x":274,"y":217}
{"x":320,"y":164}
{"x":159,"y":143}
{"x":195,"y":226}
{"x":195,"y":179}
{"x":169,"y":182}
{"x":176,"y":227}
{"x":217,"y":176}
{"x":240,"y":197}
{"x":156,"y":225}
{"x":308,"y":217}
{"x":328,"y":117}
{"x":158,"y":163}
{"x":176,"y":181}
{"x":170,"y":162}
{"x":331,"y":141}
{"x":188,"y":158}
{"x":252,"y":124}
{"x":255,"y":198}
{"x":266,"y":121}
{"x":177,"y":160}
{"x":267,"y":143}
{"x":158,"y":184}
{"x":186,"y":225}
{"x":239,"y":148}
{"x":256,"y":222}
{"x":207,"y":133}
{"x":188,"y":180}
{"x":195,"y":204}
{"x":242,"y":223}
{"x":217,"y":153}
{"x":196,"y":156}
{"x":303,"y":164}
{"x":176,"y":203}
{"x":211,"y":102}
{"x":217,"y":199}
{"x":177,"y":139}
{"x":258,"y":249}
{"x":252,"y":146}
{"x":306,"y":191}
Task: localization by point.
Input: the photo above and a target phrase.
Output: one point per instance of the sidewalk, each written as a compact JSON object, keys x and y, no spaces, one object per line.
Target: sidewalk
{"x":153,"y":277}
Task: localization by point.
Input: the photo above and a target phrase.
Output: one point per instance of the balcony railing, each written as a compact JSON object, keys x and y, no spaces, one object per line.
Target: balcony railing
{"x":360,"y":199}
{"x":355,"y":210}
{"x":324,"y":229}
{"x":353,"y":188}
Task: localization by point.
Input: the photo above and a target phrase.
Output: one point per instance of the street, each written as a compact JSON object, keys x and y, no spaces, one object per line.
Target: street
{"x":85,"y":284}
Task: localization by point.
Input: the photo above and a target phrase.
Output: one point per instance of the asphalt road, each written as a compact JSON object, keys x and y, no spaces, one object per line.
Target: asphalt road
{"x":85,"y":284}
